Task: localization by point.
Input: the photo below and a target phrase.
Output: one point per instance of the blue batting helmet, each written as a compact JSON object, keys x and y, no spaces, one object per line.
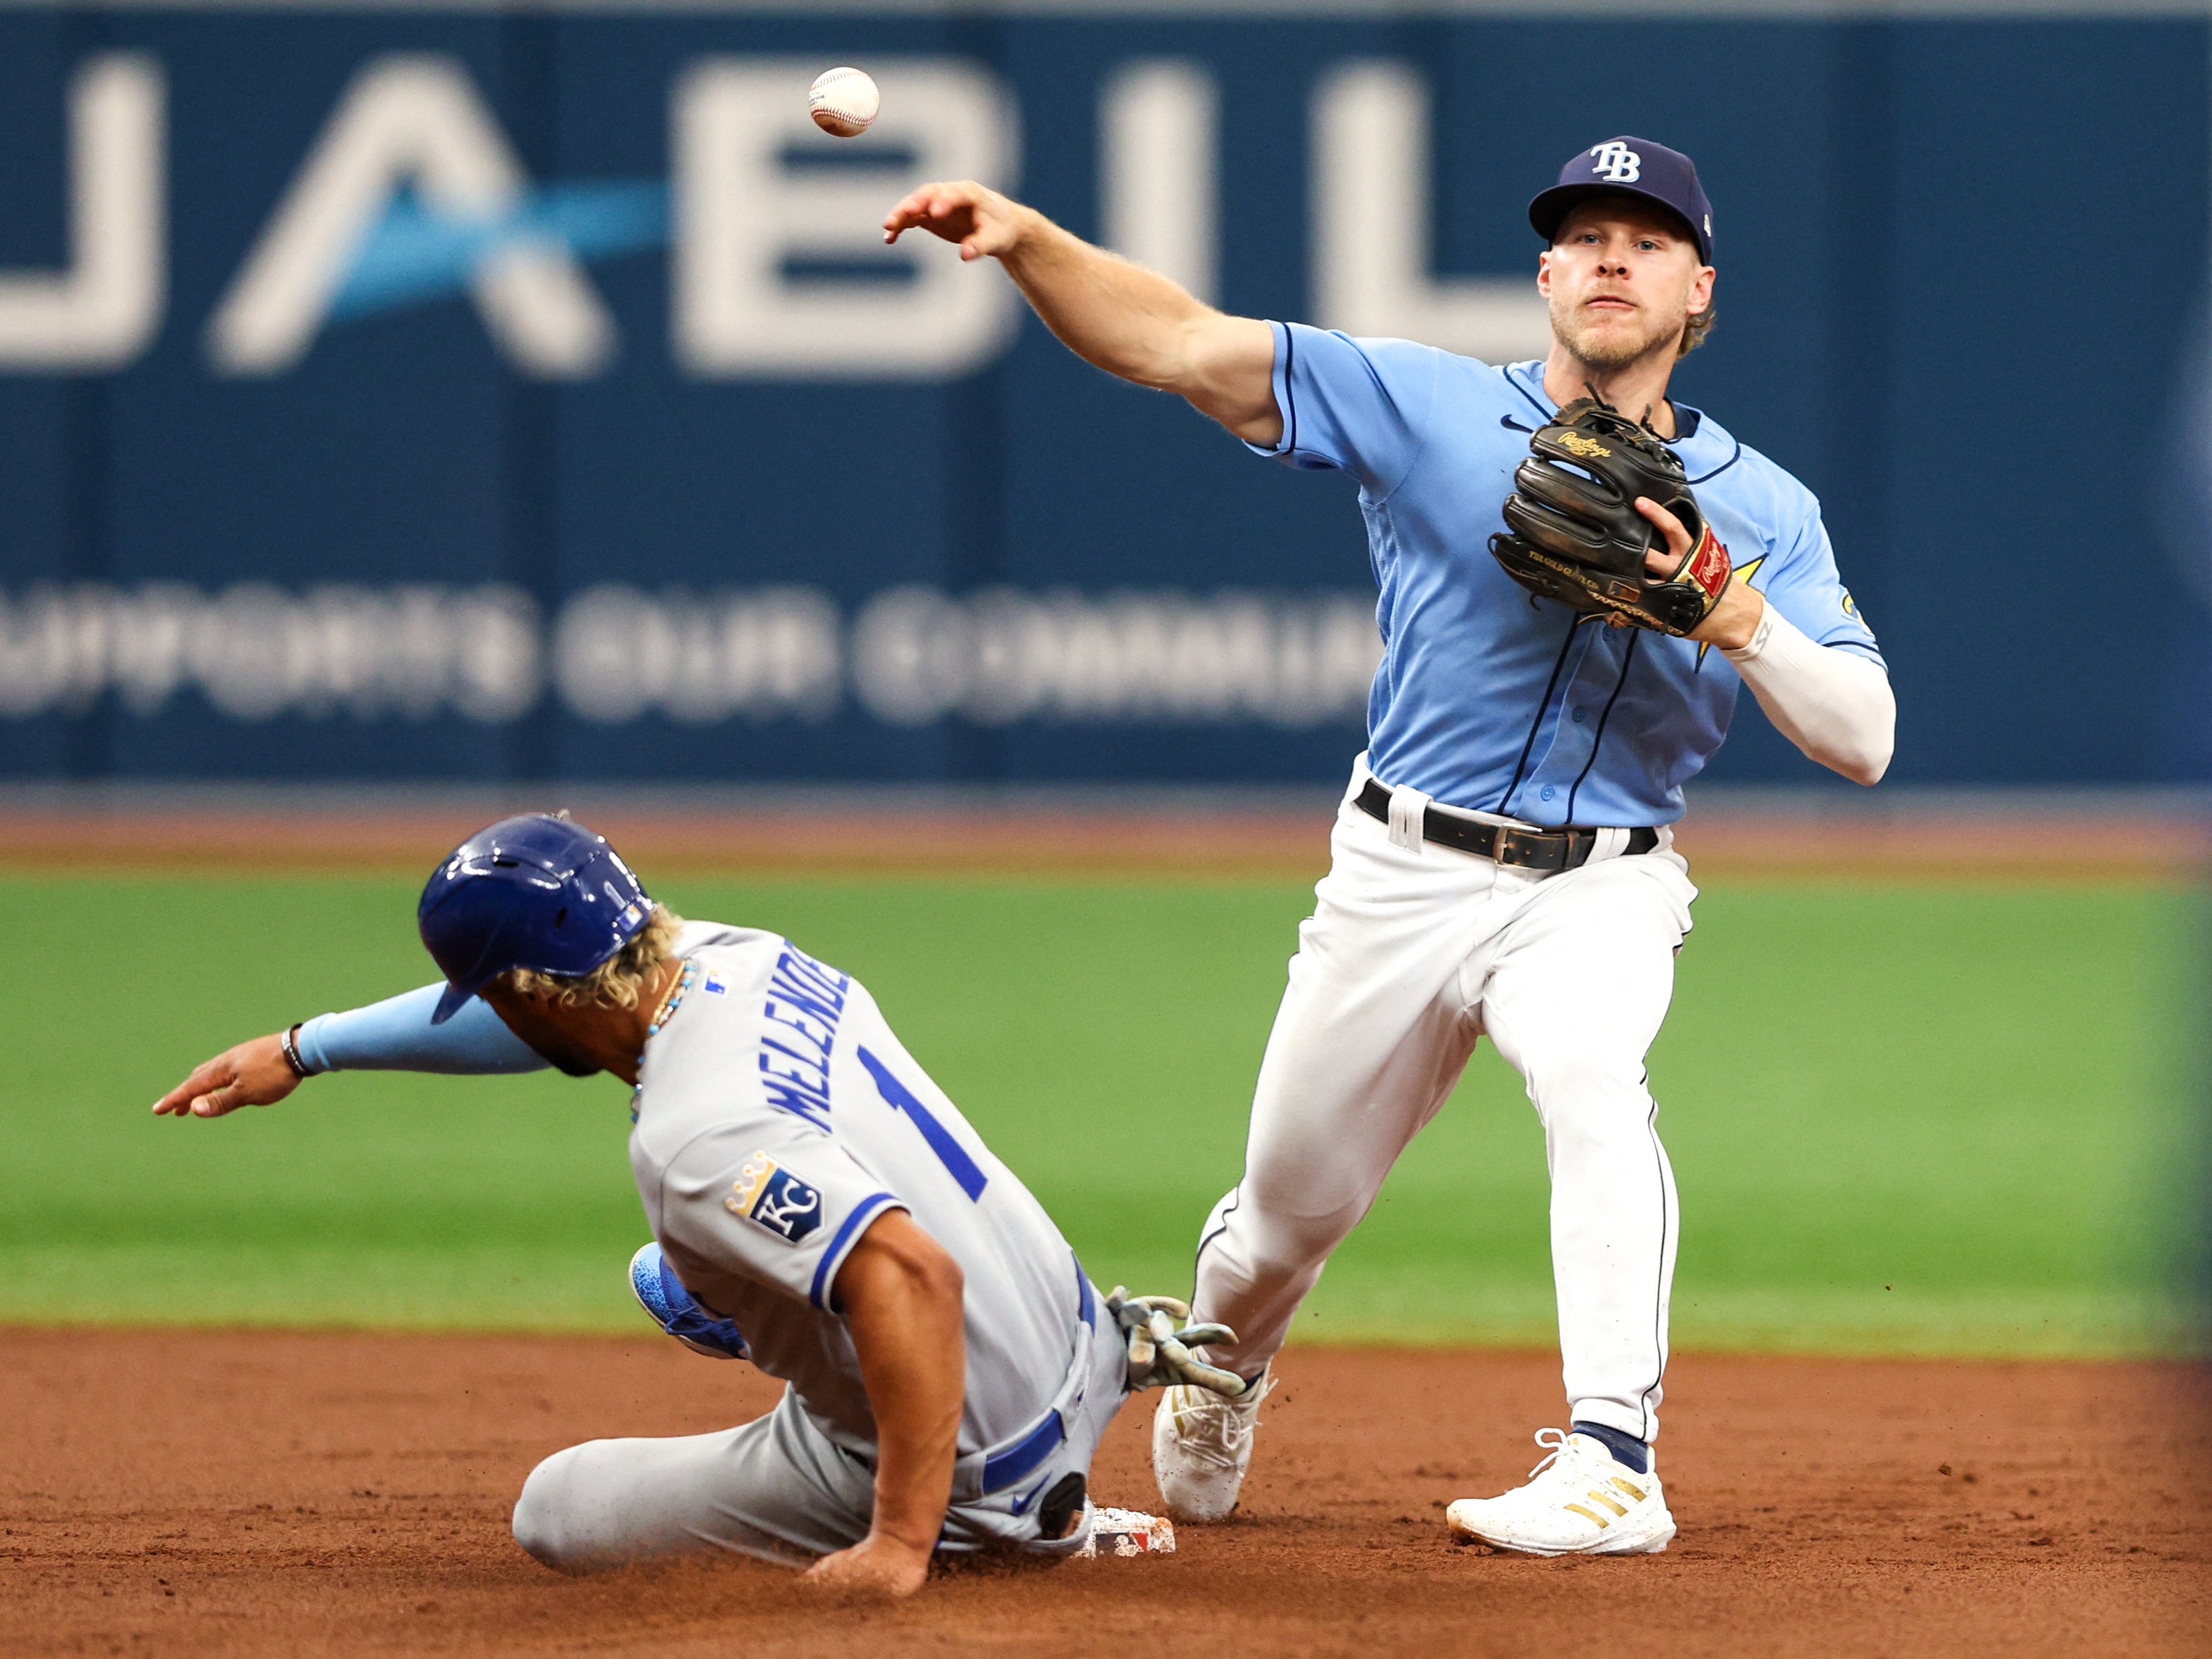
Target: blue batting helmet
{"x":535,"y":891}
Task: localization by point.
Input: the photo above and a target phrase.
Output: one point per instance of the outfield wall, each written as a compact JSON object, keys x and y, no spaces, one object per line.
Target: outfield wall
{"x":476,"y":394}
{"x":1958,"y":838}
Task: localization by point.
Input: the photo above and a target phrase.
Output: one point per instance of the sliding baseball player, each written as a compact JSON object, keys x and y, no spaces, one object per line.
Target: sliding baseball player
{"x":1578,"y":574}
{"x":819,"y":1207}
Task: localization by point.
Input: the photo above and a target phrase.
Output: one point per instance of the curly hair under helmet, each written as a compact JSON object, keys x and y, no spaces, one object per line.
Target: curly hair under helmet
{"x":615,"y":983}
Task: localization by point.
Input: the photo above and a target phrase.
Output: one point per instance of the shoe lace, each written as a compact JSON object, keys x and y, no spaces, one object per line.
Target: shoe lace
{"x":1216,"y":1431}
{"x":1557,"y":1442}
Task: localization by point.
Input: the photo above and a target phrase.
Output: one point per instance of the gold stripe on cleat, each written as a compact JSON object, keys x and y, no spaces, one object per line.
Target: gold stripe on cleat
{"x":1598,"y":1497}
{"x":1590,"y":1515}
{"x":1637,"y":1493}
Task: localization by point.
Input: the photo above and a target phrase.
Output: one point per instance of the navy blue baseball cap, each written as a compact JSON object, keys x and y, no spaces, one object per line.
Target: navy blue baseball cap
{"x":1629,"y":166}
{"x":535,"y":891}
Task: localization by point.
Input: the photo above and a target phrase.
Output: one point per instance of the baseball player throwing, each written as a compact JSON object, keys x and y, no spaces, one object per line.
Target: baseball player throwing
{"x":819,"y":1206}
{"x":1502,"y":861}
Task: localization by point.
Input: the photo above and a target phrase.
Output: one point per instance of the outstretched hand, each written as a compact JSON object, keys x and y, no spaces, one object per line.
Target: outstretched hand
{"x":252,"y":1074}
{"x":983,"y":222}
{"x":880,"y":1567}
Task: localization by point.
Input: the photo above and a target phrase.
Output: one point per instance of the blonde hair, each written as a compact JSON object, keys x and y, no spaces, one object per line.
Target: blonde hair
{"x":616,"y":982}
{"x":1694,"y":332}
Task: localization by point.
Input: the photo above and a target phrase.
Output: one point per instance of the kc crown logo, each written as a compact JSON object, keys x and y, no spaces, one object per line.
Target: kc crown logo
{"x":770,"y":1196}
{"x":1617,"y":163}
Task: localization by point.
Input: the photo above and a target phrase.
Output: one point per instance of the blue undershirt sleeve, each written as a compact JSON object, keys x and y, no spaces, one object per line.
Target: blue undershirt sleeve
{"x":395,"y":1036}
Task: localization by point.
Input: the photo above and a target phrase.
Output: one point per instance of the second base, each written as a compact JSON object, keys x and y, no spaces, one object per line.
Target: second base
{"x":1128,"y":1532}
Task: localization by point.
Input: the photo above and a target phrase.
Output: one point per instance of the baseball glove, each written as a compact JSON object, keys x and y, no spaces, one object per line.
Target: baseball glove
{"x":1160,"y":1351}
{"x":1573,"y":533}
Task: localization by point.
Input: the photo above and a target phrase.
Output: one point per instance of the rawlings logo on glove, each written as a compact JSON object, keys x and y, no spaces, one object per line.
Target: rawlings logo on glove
{"x":1573,"y":533}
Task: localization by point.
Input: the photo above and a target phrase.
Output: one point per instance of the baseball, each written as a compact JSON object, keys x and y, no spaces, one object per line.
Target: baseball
{"x":843,"y":101}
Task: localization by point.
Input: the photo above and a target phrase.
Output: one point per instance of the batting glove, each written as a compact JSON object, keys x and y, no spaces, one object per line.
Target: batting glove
{"x":1160,"y":1338}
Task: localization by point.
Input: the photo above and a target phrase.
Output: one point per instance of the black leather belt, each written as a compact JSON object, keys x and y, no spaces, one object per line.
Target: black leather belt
{"x":1526,"y":849}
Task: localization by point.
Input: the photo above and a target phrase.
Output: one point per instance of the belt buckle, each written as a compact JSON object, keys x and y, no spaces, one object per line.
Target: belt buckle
{"x":1533,"y":845}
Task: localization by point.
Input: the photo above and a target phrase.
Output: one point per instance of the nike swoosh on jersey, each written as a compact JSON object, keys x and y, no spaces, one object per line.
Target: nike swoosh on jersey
{"x":1029,"y":1497}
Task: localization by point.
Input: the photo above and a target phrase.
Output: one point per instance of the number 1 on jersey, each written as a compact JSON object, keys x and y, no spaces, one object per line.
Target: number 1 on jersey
{"x":950,"y":1152}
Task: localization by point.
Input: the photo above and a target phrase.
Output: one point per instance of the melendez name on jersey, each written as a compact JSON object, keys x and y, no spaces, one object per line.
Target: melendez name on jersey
{"x":777,"y":1116}
{"x":1489,"y":699}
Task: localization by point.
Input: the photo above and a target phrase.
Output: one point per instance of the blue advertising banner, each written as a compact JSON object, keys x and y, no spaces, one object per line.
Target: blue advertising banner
{"x":474,"y":393}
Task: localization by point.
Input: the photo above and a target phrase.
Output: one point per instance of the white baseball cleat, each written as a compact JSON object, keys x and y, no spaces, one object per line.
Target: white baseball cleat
{"x":1582,"y":1501}
{"x":1201,"y":1446}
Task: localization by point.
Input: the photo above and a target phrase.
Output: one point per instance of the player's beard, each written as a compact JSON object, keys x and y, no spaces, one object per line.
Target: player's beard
{"x":1610,"y":349}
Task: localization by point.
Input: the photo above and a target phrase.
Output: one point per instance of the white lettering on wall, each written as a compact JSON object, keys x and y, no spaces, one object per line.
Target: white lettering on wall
{"x":407,"y":121}
{"x":743,"y":210}
{"x":106,"y":308}
{"x":778,"y":651}
{"x":1159,"y":169}
{"x":1372,"y":245}
{"x":615,"y":654}
{"x":1286,"y":659}
{"x":256,"y":651}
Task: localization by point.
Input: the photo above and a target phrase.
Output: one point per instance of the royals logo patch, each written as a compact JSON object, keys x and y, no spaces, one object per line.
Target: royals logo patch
{"x":771,"y":1196}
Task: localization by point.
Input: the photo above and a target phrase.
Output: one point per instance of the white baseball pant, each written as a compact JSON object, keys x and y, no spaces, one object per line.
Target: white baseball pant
{"x":780,"y":1489}
{"x":1413,"y":950}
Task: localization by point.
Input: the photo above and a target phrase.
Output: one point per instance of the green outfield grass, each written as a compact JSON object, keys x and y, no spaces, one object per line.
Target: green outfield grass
{"x":1904,"y":1118}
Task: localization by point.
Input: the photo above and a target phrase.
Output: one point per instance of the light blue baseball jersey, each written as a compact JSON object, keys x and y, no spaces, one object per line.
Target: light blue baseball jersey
{"x":1488,"y":698}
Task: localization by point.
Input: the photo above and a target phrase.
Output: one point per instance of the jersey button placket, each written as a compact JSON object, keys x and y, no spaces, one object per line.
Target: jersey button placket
{"x":1573,"y":728}
{"x":1558,"y":750}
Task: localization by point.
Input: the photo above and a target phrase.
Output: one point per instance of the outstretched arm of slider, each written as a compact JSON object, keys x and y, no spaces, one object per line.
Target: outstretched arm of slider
{"x":901,"y":1294}
{"x":254,"y":1073}
{"x":1120,"y":317}
{"x":394,"y":1035}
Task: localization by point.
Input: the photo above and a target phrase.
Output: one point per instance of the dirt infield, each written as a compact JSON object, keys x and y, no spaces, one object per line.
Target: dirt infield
{"x":837,"y":835}
{"x":182,"y":1494}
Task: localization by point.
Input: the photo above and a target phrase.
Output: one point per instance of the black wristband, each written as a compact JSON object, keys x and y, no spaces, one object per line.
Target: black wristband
{"x":284,"y":1041}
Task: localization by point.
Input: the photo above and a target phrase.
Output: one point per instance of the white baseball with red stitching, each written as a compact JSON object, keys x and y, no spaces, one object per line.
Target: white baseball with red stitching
{"x":843,"y":101}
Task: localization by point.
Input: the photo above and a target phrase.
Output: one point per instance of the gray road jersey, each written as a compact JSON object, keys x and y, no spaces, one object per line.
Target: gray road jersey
{"x":777,"y":1116}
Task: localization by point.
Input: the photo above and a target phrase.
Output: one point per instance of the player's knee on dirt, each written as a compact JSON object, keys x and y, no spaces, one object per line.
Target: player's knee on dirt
{"x":544,"y":1515}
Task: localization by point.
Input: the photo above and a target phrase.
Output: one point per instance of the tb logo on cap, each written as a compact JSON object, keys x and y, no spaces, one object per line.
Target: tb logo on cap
{"x":1617,"y":163}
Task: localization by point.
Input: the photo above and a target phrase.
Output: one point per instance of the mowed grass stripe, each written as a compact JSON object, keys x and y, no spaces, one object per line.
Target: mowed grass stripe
{"x":1904,"y":1119}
